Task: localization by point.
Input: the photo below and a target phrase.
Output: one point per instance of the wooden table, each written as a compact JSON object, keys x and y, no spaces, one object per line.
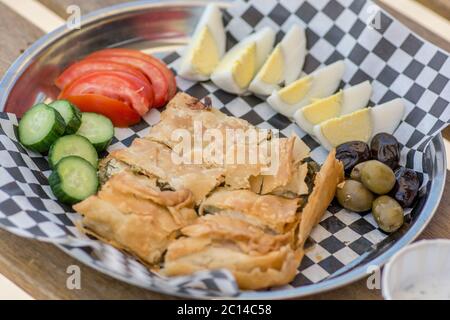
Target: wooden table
{"x":40,"y":269}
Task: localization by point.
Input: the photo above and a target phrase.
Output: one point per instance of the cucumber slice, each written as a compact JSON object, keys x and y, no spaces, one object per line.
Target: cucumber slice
{"x":70,"y":114}
{"x":73,"y":145}
{"x":73,"y":180}
{"x":40,"y":127}
{"x":98,"y":129}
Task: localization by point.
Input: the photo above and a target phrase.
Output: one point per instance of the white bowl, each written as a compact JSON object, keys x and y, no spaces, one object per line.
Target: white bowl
{"x":419,"y":271}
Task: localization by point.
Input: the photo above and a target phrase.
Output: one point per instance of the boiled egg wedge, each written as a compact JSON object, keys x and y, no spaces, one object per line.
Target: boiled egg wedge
{"x":360,"y":125}
{"x":319,"y":84}
{"x":239,"y":65}
{"x":344,"y":102}
{"x":283,"y":65}
{"x":206,"y":47}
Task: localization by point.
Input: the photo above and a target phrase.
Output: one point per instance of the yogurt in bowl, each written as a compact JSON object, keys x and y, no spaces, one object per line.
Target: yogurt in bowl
{"x":420,"y":271}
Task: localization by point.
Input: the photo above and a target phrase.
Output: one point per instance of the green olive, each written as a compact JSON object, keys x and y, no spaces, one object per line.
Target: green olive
{"x":356,"y":172}
{"x":387,"y":213}
{"x":377,"y":177}
{"x":352,"y":195}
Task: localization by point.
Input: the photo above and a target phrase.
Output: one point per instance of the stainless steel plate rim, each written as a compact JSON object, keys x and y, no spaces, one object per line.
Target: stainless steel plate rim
{"x":438,"y":175}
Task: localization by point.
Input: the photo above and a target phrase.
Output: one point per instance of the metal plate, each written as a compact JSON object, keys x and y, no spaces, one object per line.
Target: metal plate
{"x":161,"y":27}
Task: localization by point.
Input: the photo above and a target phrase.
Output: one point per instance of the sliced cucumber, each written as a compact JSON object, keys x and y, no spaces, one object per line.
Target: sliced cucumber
{"x":70,"y":114}
{"x":72,"y":145}
{"x":73,"y":180}
{"x":40,"y":127}
{"x":98,"y":129}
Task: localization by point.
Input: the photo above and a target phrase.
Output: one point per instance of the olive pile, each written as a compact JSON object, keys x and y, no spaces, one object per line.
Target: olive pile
{"x":376,"y":181}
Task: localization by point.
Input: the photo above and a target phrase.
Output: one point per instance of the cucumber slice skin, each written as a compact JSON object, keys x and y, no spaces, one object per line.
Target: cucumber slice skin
{"x":102,"y":146}
{"x":56,"y":180}
{"x":73,"y":122}
{"x":55,"y":132}
{"x":71,"y":140}
{"x":93,"y":120}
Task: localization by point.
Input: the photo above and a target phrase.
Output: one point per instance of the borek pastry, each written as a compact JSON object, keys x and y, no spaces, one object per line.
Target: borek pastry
{"x":255,"y":255}
{"x":275,"y":212}
{"x":132,"y":213}
{"x":252,"y":221}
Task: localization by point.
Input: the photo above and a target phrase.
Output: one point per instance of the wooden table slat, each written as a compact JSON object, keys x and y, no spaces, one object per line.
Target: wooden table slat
{"x":16,"y":35}
{"x":441,"y":7}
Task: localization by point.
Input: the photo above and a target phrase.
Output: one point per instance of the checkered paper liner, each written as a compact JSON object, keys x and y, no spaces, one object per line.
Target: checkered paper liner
{"x":398,"y":64}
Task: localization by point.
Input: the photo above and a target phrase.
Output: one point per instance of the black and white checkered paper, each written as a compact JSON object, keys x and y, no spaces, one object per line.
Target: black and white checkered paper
{"x":374,"y":46}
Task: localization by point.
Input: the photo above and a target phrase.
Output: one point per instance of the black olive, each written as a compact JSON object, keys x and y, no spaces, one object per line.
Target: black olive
{"x":406,"y":187}
{"x":385,"y":148}
{"x":351,"y":153}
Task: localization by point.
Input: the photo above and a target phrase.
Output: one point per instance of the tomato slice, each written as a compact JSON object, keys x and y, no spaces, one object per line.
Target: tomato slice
{"x":157,"y":79}
{"x":119,"y":112}
{"x":168,"y":74}
{"x":84,"y":67}
{"x":117,"y":85}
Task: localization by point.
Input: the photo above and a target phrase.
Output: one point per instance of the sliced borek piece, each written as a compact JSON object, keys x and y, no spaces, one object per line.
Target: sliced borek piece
{"x":256,"y":257}
{"x":324,"y":188}
{"x":183,"y":112}
{"x":132,"y":214}
{"x":277,"y":213}
{"x":157,"y":160}
{"x":237,"y":226}
{"x":288,"y":172}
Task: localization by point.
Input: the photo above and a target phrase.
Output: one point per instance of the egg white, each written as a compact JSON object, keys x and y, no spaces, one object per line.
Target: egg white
{"x":318,"y":135}
{"x":211,"y":18}
{"x":293,"y":50}
{"x":223,"y":76}
{"x":324,"y":82}
{"x":385,"y":118}
{"x":353,"y":98}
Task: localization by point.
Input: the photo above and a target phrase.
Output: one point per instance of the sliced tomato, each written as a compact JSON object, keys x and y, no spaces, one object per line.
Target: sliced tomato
{"x":121,"y":114}
{"x":84,"y":67}
{"x":157,"y":79}
{"x":117,"y":85}
{"x":168,"y":74}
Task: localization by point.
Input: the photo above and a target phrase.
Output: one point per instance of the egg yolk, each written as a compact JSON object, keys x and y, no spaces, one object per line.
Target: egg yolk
{"x":244,"y":67}
{"x":323,"y":109}
{"x":205,"y":56}
{"x":356,"y":126}
{"x":272,"y":71}
{"x":296,"y":91}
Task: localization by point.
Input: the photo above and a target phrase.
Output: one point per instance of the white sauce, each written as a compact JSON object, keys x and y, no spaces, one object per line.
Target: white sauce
{"x":432,"y":287}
